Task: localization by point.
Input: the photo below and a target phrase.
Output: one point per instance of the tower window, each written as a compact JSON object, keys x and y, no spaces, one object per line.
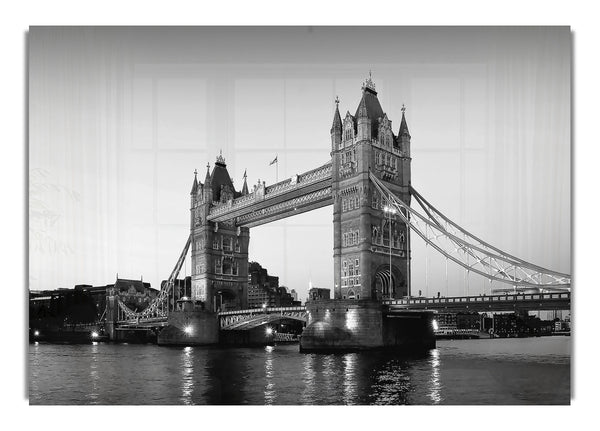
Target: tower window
{"x":227,"y":244}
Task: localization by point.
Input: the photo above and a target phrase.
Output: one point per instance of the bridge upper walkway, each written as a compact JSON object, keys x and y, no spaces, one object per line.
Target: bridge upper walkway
{"x":300,"y":193}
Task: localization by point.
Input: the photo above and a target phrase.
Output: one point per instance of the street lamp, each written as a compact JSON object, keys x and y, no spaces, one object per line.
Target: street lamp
{"x":389,"y":210}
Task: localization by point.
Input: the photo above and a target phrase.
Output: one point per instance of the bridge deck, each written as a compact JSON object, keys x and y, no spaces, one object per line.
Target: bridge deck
{"x":506,"y":302}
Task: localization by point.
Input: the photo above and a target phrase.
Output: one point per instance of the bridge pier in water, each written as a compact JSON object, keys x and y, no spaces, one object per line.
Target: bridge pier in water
{"x":342,"y":325}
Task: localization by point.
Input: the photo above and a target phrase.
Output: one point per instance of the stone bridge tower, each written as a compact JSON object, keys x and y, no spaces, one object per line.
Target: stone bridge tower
{"x":219,"y":250}
{"x":361,"y":143}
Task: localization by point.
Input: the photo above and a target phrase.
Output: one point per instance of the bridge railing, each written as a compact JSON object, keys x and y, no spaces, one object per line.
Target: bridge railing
{"x":266,"y":310}
{"x":475,"y":299}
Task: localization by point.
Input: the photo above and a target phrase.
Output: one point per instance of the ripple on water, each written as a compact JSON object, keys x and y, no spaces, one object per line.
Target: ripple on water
{"x":511,"y":371}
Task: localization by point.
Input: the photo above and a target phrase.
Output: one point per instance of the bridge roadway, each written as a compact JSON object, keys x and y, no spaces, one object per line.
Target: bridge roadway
{"x":503,"y":302}
{"x":251,"y":318}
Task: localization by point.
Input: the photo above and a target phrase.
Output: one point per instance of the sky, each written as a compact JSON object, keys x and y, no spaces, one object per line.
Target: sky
{"x":119,"y":118}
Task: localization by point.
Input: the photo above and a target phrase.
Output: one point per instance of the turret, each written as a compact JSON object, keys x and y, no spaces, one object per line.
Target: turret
{"x":336,"y":127}
{"x":207,"y":185}
{"x":364,"y":122}
{"x":368,"y":112}
{"x":404,"y":136}
{"x":245,"y":186}
{"x":194,"y":190}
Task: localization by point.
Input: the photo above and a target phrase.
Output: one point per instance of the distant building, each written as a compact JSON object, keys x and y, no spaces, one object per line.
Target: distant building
{"x":514,"y":325}
{"x":86,"y":303}
{"x":468,"y":320}
{"x":135,"y":294}
{"x":264,"y":289}
{"x":318,"y":293}
{"x":294,"y":294}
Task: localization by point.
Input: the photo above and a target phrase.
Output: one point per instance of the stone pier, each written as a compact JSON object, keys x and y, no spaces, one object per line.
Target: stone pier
{"x":347,"y":325}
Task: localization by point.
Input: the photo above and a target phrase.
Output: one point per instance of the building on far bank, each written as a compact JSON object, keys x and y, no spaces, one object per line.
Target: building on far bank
{"x":317,"y":293}
{"x":136,"y":294}
{"x":85,"y":303}
{"x":294,"y":294}
{"x":264,"y":289}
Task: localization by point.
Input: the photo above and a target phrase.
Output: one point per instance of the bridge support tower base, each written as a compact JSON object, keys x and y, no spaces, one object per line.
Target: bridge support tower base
{"x":349,"y":325}
{"x":190,"y":328}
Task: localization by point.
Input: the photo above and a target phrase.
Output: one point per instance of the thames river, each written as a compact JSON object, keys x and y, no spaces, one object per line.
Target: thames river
{"x":499,"y":371}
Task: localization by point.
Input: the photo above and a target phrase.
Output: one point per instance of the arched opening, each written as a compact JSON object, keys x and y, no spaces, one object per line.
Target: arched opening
{"x":388,"y":285}
{"x":226,"y":300}
{"x":351,"y":294}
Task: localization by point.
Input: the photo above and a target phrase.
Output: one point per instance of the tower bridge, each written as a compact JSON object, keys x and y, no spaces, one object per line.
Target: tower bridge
{"x":367,"y":181}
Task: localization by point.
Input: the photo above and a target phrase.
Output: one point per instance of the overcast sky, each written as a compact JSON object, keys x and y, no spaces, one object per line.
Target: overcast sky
{"x":119,"y":118}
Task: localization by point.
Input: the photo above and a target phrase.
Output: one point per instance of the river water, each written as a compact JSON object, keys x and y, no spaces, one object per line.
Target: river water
{"x":498,"y":371}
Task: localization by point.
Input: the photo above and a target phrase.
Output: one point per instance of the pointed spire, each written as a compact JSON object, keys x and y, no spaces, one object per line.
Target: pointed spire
{"x":403,"y":126}
{"x":207,"y":178}
{"x":195,"y":184}
{"x":337,"y":119}
{"x":245,"y":186}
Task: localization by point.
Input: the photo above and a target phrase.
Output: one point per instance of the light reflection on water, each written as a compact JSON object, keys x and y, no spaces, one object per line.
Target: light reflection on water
{"x":308,"y":379}
{"x":187,"y":375}
{"x":94,"y":374}
{"x":434,"y":384}
{"x":350,"y":394}
{"x":457,"y":372}
{"x":270,"y":394}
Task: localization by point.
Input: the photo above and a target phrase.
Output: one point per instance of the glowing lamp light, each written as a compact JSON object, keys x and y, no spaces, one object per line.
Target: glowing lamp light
{"x":188,"y":329}
{"x":269,"y":331}
{"x":36,"y":333}
{"x":94,"y":334}
{"x":434,"y":324}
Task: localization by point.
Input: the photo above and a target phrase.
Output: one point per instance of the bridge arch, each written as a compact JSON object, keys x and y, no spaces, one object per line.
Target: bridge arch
{"x":386,"y":285}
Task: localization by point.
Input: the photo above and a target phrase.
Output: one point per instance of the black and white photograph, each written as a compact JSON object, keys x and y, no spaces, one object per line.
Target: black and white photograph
{"x":299,"y":215}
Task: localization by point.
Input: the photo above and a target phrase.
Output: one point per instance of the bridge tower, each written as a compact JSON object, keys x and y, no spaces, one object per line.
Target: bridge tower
{"x":361,"y":143}
{"x":219,"y":250}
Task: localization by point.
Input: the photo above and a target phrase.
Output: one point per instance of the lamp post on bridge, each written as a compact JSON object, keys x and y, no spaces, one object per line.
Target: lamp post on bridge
{"x":389,"y":210}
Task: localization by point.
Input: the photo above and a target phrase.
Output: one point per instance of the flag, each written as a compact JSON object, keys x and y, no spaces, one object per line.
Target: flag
{"x":274,"y":161}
